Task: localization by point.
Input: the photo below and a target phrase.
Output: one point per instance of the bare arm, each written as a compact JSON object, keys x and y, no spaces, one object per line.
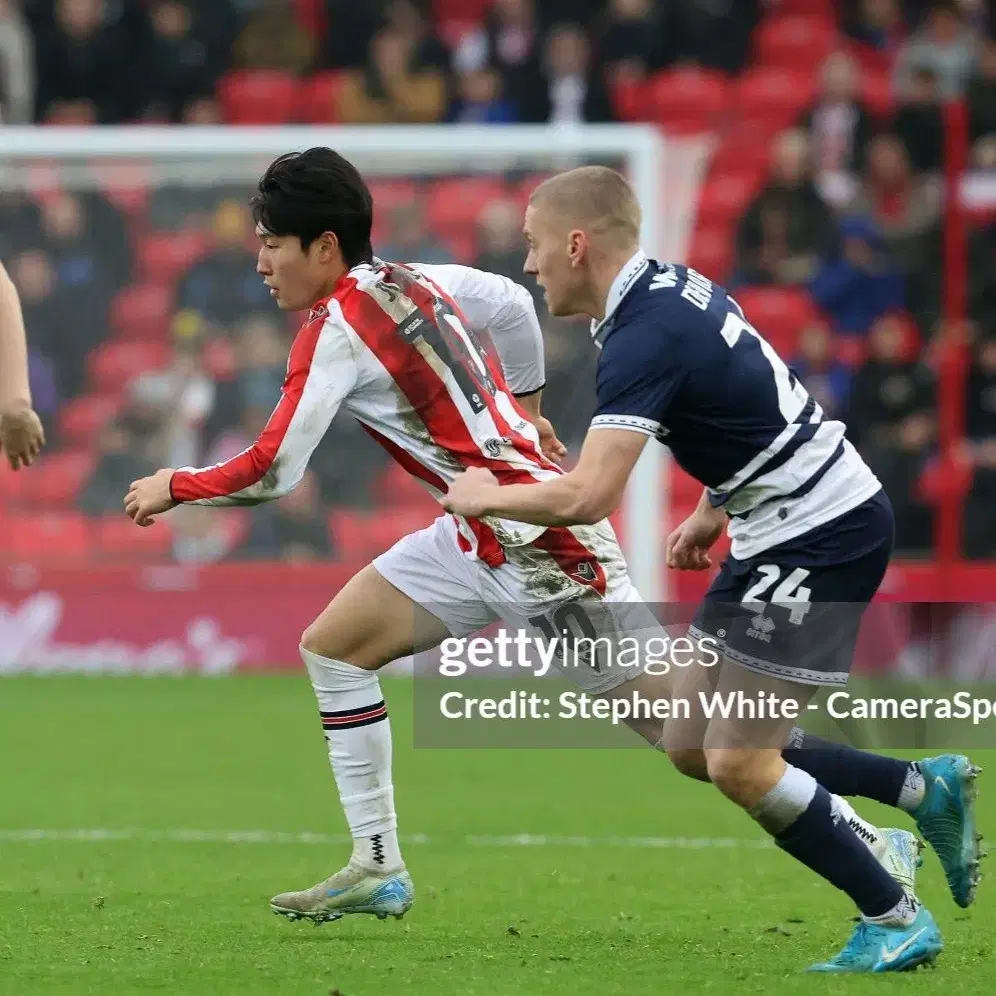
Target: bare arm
{"x":590,"y":492}
{"x":21,"y":432}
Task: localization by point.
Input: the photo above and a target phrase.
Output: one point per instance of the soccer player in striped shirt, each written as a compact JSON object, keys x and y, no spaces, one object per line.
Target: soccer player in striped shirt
{"x":443,"y":366}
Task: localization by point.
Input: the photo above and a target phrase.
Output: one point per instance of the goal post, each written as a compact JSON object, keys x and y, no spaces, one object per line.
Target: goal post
{"x":665,"y":172}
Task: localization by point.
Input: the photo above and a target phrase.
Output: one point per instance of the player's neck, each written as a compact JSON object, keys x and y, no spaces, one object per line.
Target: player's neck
{"x":329,"y":285}
{"x":604,"y":278}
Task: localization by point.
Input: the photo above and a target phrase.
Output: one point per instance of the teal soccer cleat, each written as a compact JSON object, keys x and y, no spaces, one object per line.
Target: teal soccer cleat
{"x":351,"y":890}
{"x":877,"y":948}
{"x":946,"y":820}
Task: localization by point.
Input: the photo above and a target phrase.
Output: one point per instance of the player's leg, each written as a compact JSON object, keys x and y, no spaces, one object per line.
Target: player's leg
{"x":745,"y":763}
{"x":375,"y":619}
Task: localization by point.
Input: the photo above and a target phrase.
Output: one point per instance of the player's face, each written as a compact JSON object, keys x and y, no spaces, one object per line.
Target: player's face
{"x":550,"y":260}
{"x":295,"y":277}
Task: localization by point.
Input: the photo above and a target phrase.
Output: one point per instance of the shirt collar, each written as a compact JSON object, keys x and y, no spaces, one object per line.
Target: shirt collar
{"x":621,"y":286}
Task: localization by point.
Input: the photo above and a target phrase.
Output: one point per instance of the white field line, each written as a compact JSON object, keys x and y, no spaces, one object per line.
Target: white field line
{"x":104,"y":835}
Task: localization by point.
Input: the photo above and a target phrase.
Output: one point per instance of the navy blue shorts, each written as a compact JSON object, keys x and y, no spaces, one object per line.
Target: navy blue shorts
{"x":793,"y":611}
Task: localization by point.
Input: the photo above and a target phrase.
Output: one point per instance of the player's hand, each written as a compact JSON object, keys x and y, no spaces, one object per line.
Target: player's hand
{"x":468,"y":494}
{"x":553,"y":449}
{"x":687,"y":548}
{"x":148,"y":497}
{"x":21,"y":435}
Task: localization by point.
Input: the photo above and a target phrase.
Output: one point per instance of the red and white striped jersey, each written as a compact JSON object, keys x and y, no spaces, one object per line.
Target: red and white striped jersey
{"x":422,"y":356}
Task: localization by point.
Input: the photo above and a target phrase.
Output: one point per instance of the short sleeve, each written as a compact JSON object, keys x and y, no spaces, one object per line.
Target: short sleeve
{"x":639,"y":374}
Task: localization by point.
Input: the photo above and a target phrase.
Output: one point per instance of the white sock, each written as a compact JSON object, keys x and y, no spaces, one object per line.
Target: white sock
{"x":786,"y":801}
{"x":870,"y":834}
{"x":358,"y":733}
{"x":901,"y":915}
{"x":913,"y":790}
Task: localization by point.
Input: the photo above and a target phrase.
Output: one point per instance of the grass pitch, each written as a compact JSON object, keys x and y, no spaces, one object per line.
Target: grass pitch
{"x":633,"y":881}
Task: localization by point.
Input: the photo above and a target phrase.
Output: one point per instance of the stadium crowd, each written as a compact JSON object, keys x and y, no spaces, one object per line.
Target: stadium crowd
{"x":827,"y":222}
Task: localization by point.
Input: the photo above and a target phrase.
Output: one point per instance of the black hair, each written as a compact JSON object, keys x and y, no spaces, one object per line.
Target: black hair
{"x":308,"y":193}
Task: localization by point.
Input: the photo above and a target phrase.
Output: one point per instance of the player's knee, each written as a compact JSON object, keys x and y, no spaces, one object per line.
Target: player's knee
{"x":732,"y":771}
{"x":314,"y":640}
{"x":690,"y":761}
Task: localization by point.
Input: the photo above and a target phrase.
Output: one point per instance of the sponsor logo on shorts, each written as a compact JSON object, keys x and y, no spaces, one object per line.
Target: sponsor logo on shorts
{"x":761,"y":627}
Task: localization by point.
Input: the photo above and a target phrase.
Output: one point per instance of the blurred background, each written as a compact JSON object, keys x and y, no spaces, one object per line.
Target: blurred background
{"x":848,"y":200}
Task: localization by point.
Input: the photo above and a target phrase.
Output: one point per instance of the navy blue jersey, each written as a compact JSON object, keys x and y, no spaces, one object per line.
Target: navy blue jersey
{"x":680,"y":361}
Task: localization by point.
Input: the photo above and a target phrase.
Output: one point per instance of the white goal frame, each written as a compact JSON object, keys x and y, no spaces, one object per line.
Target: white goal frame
{"x":393,"y":150}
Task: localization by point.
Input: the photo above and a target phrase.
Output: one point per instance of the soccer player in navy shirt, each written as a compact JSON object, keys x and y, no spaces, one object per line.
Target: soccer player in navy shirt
{"x":811,"y":530}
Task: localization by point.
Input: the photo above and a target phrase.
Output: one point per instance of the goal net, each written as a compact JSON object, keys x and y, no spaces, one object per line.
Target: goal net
{"x":154,"y":342}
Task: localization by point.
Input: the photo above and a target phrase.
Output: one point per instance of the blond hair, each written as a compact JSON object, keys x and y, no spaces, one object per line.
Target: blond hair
{"x":596,"y":198}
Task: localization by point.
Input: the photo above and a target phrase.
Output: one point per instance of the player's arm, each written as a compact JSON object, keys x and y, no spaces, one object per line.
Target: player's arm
{"x":638,"y":378}
{"x":587,"y":494}
{"x":321,"y":371}
{"x":21,"y":432}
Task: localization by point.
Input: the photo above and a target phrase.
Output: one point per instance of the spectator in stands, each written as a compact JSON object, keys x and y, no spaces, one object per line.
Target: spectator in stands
{"x":274,"y":38}
{"x":945,"y":45}
{"x":294,"y":529}
{"x":892,"y":421}
{"x":54,"y":321}
{"x":904,"y":206}
{"x":223,"y":286}
{"x":87,"y":69}
{"x":822,"y":374}
{"x":20,"y":222}
{"x":409,"y":19}
{"x":17,"y":69}
{"x":859,"y":283}
{"x":410,"y":239}
{"x":201,"y":111}
{"x":480,"y":99}
{"x":919,"y":121}
{"x":631,"y":40}
{"x":182,"y":393}
{"x":178,"y":64}
{"x":979,"y":530}
{"x":500,"y":241}
{"x":568,"y":89}
{"x":80,"y":265}
{"x":507,"y":42}
{"x":393,"y":89}
{"x":351,"y":29}
{"x":839,"y":128}
{"x":203,"y":535}
{"x":982,"y":93}
{"x":120,"y":462}
{"x":877,"y":24}
{"x":788,"y":226}
{"x":713,"y":33}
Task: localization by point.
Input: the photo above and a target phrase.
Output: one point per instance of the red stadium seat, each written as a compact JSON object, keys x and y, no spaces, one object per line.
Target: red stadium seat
{"x":113,"y":364}
{"x":142,"y":312}
{"x":794,"y":40}
{"x":724,"y":198}
{"x":49,"y":537}
{"x":56,"y":480}
{"x":689,"y":99}
{"x":82,"y":419}
{"x":631,"y":100}
{"x":264,"y":97}
{"x":164,"y":256}
{"x":877,"y":93}
{"x":711,"y":251}
{"x":396,"y":487}
{"x":452,"y":31}
{"x":779,"y":315}
{"x":770,"y":99}
{"x":457,"y":204}
{"x":388,"y":195}
{"x":117,"y":537}
{"x":459,"y":10}
{"x":319,"y":98}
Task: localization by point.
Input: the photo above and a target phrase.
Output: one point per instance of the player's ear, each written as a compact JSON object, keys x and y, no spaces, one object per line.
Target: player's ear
{"x":328,"y":247}
{"x":577,"y":246}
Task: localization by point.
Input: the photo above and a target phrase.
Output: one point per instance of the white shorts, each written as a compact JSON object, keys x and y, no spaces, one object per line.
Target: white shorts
{"x":531,"y":591}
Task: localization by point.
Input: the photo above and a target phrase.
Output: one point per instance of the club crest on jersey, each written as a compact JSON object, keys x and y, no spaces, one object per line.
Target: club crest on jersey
{"x":493,"y":447}
{"x":321,"y":311}
{"x":585,"y":571}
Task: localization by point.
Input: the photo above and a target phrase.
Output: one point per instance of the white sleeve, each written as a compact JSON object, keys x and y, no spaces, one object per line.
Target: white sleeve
{"x":505,"y":309}
{"x":321,"y":373}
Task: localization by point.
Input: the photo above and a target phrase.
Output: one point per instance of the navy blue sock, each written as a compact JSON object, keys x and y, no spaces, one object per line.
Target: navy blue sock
{"x":824,"y":842}
{"x":846,"y":770}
